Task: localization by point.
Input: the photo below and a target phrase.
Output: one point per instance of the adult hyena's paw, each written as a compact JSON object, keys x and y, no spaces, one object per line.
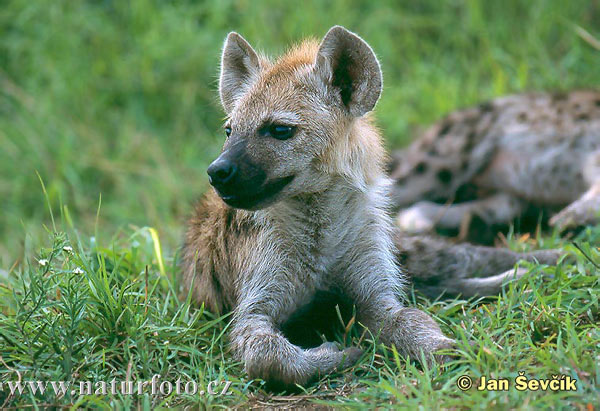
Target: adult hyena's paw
{"x":585,"y":211}
{"x":419,"y":218}
{"x":564,"y":220}
{"x":573,"y":217}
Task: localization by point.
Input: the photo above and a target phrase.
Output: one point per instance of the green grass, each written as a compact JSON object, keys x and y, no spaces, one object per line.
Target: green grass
{"x":114,"y":104}
{"x":88,"y":311}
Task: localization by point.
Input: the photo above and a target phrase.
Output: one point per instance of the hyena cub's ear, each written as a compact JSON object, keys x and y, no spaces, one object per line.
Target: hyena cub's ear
{"x":239,"y":65}
{"x":348,"y":64}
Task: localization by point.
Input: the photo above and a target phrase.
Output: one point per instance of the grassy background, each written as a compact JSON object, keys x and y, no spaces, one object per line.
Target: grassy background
{"x":118,"y":99}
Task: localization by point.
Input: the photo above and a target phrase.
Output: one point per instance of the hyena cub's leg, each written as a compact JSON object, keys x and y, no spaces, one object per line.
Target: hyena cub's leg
{"x":374,"y":285}
{"x":437,"y":266}
{"x":268,"y":354}
{"x":424,"y":216}
{"x":585,"y":210}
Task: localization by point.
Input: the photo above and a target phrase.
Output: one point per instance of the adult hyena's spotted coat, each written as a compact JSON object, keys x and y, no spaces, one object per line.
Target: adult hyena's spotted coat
{"x":500,"y":160}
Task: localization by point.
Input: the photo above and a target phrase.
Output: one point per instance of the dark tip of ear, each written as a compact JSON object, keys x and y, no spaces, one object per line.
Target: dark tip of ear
{"x":236,"y":38}
{"x":339,"y":29}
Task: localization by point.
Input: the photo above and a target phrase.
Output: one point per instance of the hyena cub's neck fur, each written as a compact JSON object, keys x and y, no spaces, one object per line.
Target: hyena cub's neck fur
{"x":300,"y":206}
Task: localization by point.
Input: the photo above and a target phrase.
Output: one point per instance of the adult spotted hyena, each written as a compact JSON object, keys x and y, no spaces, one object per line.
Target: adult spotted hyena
{"x":510,"y":158}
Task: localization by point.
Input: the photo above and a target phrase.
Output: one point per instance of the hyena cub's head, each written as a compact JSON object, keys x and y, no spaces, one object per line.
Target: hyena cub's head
{"x":285,"y":119}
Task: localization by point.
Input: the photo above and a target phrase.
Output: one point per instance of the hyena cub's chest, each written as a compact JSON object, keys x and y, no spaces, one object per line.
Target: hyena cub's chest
{"x":321,"y":234}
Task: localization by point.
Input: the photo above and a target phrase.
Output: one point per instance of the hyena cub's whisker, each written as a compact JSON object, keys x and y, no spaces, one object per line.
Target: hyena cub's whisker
{"x":300,"y":206}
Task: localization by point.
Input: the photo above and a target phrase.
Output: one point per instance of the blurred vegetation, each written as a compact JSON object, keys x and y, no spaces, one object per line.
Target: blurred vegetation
{"x":114,"y":105}
{"x":118,"y":98}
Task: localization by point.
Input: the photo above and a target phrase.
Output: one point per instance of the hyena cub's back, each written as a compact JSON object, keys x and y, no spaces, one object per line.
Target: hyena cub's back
{"x":536,"y":149}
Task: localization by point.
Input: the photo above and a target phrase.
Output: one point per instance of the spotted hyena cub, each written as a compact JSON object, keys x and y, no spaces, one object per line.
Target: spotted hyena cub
{"x":501,"y":160}
{"x":299,"y":215}
{"x":299,"y":207}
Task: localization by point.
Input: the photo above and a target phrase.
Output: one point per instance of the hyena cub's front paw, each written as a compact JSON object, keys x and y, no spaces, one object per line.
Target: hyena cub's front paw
{"x":283,"y":365}
{"x":329,"y":357}
{"x":418,"y":336}
{"x":419,"y":218}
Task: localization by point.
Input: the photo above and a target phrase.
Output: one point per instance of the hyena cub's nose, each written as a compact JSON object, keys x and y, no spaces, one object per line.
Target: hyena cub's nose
{"x":221,"y":172}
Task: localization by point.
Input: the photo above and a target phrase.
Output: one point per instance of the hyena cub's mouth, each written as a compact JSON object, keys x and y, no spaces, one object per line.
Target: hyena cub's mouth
{"x":250,"y":198}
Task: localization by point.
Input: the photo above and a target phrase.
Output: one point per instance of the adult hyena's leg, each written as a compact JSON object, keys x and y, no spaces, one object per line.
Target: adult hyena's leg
{"x":437,"y":266}
{"x":424,"y":216}
{"x":586,"y":209}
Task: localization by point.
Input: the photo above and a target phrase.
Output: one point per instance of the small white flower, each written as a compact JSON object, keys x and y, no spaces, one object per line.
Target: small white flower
{"x":43,"y":262}
{"x":166,"y":342}
{"x":77,"y":270}
{"x":68,"y":248}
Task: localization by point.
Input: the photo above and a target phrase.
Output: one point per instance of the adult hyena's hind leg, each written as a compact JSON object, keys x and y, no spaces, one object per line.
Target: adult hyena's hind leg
{"x":586,"y":209}
{"x":424,"y":216}
{"x":437,"y":266}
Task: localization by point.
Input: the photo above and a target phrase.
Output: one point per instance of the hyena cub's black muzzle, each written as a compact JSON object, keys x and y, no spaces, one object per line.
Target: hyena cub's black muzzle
{"x":242,"y":183}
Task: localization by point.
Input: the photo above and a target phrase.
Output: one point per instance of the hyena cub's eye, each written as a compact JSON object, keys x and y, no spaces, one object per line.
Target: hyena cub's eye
{"x":278,"y":131}
{"x":227,"y":131}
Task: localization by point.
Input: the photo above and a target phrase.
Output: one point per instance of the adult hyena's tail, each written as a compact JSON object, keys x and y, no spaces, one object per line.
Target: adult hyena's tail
{"x":436,"y":266}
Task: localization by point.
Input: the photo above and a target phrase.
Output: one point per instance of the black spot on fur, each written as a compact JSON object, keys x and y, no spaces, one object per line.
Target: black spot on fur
{"x":560,"y":96}
{"x":466,"y":192}
{"x":421,"y":168}
{"x":445,"y":129}
{"x":468,"y":146}
{"x":444,"y":176}
{"x":583,"y":117}
{"x":522,"y":117}
{"x":485,"y":107}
